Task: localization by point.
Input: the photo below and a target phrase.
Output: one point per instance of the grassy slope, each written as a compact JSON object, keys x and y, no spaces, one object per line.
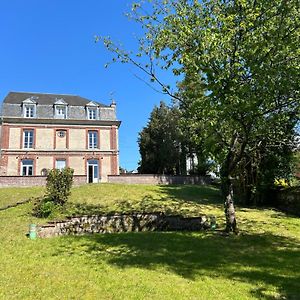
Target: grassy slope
{"x":261,"y":263}
{"x":13,"y":195}
{"x":187,"y":200}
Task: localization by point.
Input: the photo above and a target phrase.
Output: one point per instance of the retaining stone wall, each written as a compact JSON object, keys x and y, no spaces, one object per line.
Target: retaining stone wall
{"x":158,"y":179}
{"x":122,"y":223}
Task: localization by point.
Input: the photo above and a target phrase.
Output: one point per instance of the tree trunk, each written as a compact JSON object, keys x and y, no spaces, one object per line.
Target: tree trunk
{"x":227,"y":193}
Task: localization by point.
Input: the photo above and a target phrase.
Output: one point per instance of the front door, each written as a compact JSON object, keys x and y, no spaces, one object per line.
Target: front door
{"x":92,"y":171}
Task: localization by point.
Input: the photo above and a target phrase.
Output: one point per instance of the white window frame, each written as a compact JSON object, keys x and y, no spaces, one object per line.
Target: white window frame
{"x":92,"y":113}
{"x":61,"y":111}
{"x":28,"y":138}
{"x":26,"y":165}
{"x":29,"y":110}
{"x":94,"y":164}
{"x":58,"y":161}
{"x":93,"y":139}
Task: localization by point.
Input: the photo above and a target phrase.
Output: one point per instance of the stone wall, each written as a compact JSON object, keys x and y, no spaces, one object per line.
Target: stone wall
{"x":26,"y":181}
{"x":123,"y":223}
{"x":158,"y":179}
{"x":23,"y":181}
{"x":288,"y":200}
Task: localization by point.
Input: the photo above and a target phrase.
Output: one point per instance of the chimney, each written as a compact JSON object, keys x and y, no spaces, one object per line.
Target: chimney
{"x":113,"y":104}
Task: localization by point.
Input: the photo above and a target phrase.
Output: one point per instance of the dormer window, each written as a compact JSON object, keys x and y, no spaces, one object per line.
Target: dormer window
{"x":29,"y":107}
{"x":60,"y":109}
{"x":29,"y":111}
{"x":92,"y":111}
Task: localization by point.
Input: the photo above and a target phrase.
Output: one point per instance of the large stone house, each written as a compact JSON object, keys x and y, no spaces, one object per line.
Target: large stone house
{"x":44,"y":131}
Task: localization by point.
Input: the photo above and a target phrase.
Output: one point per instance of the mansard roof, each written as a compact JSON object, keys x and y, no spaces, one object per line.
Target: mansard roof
{"x":48,"y":99}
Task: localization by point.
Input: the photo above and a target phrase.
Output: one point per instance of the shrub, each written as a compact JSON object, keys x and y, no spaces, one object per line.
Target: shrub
{"x":59,"y":184}
{"x":45,"y":208}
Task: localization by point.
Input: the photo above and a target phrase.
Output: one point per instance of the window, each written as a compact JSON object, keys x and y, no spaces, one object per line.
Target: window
{"x":27,"y":167}
{"x":60,"y":164}
{"x":92,"y":171}
{"x":93,"y":139}
{"x":61,"y":133}
{"x":92,"y":113}
{"x":29,"y":111}
{"x":28,"y":138}
{"x":61,"y":111}
{"x":44,"y":172}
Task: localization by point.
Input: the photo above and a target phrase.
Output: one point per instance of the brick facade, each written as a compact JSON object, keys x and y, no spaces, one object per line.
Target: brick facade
{"x":58,"y":139}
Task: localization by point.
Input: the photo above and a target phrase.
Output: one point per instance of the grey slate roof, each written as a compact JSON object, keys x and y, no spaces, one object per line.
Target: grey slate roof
{"x":12,"y":107}
{"x":47,"y":99}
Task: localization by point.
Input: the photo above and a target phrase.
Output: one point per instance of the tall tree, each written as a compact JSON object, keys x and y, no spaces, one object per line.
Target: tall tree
{"x":160,"y":142}
{"x":246,"y":55}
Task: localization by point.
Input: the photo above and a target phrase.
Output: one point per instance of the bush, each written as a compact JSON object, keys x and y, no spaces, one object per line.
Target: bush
{"x":45,"y":208}
{"x":58,"y":187}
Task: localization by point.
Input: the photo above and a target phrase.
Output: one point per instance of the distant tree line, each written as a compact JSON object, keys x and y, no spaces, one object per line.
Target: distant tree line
{"x":165,"y":145}
{"x":169,"y":139}
{"x":160,"y":142}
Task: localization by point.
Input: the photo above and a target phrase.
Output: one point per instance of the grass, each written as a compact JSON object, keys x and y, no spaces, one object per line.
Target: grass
{"x":186,"y":200}
{"x":261,"y":263}
{"x":12,"y":195}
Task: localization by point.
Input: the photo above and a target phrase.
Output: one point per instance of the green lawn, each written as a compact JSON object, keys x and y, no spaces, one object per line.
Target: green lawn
{"x":187,"y":200}
{"x":261,"y":263}
{"x":13,"y":195}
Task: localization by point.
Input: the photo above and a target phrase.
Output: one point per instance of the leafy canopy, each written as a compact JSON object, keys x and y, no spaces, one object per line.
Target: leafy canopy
{"x":244,"y":57}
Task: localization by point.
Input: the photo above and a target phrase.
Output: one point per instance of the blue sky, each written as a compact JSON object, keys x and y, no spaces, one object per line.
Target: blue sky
{"x":48,"y":46}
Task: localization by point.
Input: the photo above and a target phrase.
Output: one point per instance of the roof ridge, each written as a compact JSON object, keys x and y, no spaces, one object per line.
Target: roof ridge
{"x":13,"y":97}
{"x":23,"y":92}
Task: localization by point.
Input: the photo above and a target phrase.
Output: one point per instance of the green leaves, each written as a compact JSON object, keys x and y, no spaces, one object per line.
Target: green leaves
{"x":160,"y":142}
{"x":240,"y":62}
{"x":58,"y":186}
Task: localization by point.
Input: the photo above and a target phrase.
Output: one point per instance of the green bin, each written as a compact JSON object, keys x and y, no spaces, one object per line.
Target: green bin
{"x":213,"y":222}
{"x":32,"y":231}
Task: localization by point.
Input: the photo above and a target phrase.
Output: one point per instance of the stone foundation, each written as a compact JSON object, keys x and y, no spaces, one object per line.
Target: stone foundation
{"x":123,"y":223}
{"x":27,"y":181}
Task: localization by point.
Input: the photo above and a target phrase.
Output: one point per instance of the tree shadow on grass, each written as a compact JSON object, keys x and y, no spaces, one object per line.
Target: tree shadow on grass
{"x":76,"y":209}
{"x":267,"y":260}
{"x":186,"y":200}
{"x":207,"y":199}
{"x":207,"y":194}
